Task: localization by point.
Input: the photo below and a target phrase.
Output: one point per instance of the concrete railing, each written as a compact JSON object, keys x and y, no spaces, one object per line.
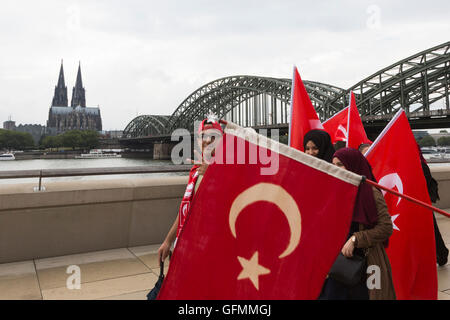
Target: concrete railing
{"x":75,"y":217}
{"x":442,"y":176}
{"x":82,"y":216}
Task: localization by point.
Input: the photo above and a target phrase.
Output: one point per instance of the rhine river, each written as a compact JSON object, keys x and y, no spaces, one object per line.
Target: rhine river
{"x":82,"y":163}
{"x":94,"y":163}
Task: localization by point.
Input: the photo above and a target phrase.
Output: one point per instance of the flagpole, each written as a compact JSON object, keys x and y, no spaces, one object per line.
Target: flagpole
{"x":348,"y":117}
{"x":423,"y":204}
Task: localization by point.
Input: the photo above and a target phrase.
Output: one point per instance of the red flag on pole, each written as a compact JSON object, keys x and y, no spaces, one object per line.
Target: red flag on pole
{"x":356,"y":132}
{"x":303,"y":115}
{"x":254,"y":236}
{"x":336,"y":126}
{"x":396,"y":164}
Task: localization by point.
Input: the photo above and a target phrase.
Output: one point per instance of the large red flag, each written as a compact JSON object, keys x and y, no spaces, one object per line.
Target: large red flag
{"x":336,"y":126}
{"x":396,"y":164}
{"x":356,"y":132}
{"x":254,"y":236}
{"x":303,"y":115}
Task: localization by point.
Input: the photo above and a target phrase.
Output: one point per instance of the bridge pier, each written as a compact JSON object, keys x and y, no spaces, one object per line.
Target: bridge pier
{"x":162,"y":151}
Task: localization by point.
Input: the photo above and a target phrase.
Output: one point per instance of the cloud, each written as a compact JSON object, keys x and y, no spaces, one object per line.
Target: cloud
{"x":148,"y":56}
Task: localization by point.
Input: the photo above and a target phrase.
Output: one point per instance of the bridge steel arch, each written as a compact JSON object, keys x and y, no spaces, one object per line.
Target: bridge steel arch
{"x":247,"y":101}
{"x":145,"y":126}
{"x":414,"y":84}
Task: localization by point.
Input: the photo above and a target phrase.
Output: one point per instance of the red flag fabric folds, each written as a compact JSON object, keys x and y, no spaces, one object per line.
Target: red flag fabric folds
{"x":396,"y":164}
{"x":347,"y":126}
{"x":254,"y":236}
{"x":303,"y":115}
{"x":356,"y":132}
{"x":336,"y":126}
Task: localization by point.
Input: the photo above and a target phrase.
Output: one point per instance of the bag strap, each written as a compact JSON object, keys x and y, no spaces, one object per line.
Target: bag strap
{"x":161,"y":265}
{"x":161,"y":268}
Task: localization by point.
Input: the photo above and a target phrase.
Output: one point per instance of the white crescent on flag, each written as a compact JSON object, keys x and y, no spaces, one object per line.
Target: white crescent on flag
{"x":343,"y":130}
{"x":390,"y":181}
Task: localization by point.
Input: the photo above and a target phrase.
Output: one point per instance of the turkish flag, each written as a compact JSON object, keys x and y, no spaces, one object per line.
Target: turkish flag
{"x":250,"y":235}
{"x":396,"y":164}
{"x":336,"y":126}
{"x":356,"y":132}
{"x":303,"y":115}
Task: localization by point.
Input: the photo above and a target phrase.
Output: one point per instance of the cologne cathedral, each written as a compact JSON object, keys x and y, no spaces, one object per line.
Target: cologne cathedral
{"x":77,"y":116}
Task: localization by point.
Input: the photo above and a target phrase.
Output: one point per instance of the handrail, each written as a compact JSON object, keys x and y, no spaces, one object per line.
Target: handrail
{"x":52,"y":173}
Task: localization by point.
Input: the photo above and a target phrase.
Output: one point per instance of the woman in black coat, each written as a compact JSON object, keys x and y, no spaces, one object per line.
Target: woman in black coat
{"x":432,"y":185}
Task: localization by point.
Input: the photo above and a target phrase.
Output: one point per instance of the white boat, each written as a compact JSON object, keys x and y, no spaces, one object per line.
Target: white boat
{"x":7,"y":156}
{"x":440,"y":156}
{"x":98,"y":154}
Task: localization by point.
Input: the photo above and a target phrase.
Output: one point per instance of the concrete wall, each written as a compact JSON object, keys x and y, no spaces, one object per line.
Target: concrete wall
{"x":75,"y":217}
{"x":82,"y":216}
{"x":442,"y":176}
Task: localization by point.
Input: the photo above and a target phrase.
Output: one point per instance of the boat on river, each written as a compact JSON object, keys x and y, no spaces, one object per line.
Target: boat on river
{"x":7,"y":156}
{"x":98,"y":154}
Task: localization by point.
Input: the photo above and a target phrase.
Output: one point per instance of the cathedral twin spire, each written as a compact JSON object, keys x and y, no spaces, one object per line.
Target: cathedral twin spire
{"x":60,"y":97}
{"x":78,"y":92}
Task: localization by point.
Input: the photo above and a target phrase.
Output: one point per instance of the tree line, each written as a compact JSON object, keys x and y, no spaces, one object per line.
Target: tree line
{"x":75,"y":139}
{"x":429,"y":141}
{"x":13,"y":140}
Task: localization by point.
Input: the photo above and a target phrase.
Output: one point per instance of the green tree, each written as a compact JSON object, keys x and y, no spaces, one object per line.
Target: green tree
{"x":74,"y":139}
{"x":443,"y":131}
{"x":443,"y":141}
{"x":427,"y":141}
{"x":13,"y":140}
{"x":71,"y":139}
{"x":89,"y":139}
{"x":51,"y":142}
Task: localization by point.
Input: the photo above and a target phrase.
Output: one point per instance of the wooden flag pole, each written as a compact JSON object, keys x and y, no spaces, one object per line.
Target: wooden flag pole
{"x":423,"y":204}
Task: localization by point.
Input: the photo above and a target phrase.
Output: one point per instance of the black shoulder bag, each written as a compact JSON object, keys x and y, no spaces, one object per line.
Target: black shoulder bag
{"x":153,"y":294}
{"x":348,"y":271}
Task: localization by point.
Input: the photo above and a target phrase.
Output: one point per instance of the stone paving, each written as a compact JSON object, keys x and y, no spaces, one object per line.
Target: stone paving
{"x":119,"y":274}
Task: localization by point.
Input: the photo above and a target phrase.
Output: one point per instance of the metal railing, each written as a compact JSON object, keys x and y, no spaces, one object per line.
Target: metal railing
{"x":54,"y":173}
{"x":419,"y":114}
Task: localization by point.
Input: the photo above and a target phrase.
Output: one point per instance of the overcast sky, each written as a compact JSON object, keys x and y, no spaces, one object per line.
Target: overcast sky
{"x":146,"y":57}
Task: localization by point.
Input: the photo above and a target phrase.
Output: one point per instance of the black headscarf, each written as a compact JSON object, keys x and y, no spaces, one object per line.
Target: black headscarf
{"x":365,"y":210}
{"x":323,"y":141}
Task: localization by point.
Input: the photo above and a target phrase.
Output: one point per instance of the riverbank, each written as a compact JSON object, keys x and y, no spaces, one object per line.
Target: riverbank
{"x":31,"y":155}
{"x":64,"y":154}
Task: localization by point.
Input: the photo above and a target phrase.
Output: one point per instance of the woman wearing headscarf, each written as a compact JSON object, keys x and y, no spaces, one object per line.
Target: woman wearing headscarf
{"x":317,"y":143}
{"x":432,"y":186}
{"x":368,"y":236}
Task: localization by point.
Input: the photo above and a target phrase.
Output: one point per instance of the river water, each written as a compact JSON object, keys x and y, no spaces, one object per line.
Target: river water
{"x":82,"y":163}
{"x":95,"y":163}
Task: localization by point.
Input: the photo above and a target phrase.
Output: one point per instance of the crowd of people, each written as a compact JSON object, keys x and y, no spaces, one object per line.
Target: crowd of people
{"x":371,"y":225}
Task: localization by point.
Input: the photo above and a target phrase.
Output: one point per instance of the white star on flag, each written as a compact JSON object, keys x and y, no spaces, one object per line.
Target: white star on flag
{"x":393,"y":224}
{"x":251,"y":269}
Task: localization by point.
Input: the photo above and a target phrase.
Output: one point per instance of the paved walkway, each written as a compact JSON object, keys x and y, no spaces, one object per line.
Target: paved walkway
{"x":123,"y":274}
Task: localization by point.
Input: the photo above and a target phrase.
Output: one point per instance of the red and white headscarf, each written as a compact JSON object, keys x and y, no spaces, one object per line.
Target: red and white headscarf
{"x":193,"y":177}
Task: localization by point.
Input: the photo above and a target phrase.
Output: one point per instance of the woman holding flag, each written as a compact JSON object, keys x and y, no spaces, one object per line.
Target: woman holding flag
{"x":209,"y":129}
{"x":368,"y":236}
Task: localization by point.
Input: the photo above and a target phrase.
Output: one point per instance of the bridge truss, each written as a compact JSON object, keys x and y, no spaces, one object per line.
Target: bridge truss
{"x":146,"y":126}
{"x":419,"y":84}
